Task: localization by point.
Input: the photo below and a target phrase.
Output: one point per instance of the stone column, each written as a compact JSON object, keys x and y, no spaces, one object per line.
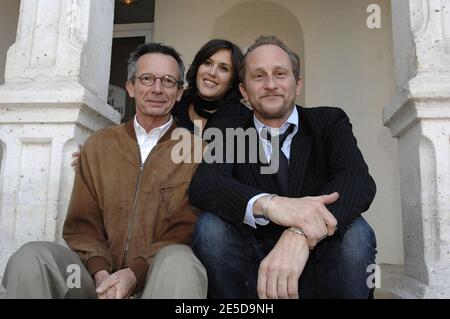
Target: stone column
{"x":419,"y":116}
{"x":55,"y":92}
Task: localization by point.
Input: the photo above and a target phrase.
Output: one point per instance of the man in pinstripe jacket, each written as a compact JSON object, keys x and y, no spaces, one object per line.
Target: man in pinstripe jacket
{"x":297,"y":233}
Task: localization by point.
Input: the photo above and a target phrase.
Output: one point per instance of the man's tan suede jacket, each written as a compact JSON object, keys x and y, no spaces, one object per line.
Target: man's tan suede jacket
{"x":122,"y":213}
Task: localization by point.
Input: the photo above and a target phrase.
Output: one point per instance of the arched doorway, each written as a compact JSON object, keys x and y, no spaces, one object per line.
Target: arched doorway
{"x":267,"y":18}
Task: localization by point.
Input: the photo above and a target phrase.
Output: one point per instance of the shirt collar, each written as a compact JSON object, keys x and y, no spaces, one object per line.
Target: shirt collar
{"x":157,"y":131}
{"x":292,"y":119}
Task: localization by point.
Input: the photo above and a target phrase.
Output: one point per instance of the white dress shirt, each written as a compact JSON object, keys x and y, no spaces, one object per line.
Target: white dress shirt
{"x":249,"y":218}
{"x":147,"y":141}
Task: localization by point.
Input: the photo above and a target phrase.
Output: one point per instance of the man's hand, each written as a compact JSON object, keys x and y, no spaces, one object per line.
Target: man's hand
{"x":123,"y":281}
{"x":99,"y":278}
{"x":279,"y":272}
{"x":308,"y":213}
{"x":76,"y":157}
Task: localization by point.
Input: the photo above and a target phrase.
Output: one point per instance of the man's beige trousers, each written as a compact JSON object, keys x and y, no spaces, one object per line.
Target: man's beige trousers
{"x":46,"y":270}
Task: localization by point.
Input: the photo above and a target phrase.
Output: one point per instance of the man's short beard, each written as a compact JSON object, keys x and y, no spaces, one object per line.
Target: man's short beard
{"x":281,"y":113}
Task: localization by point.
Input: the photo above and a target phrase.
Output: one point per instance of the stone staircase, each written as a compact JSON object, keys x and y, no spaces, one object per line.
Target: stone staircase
{"x":2,"y":291}
{"x":390,"y":275}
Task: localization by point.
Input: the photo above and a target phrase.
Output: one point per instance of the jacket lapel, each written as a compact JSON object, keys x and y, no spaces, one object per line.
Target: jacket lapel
{"x":268,"y":180}
{"x":299,"y":157}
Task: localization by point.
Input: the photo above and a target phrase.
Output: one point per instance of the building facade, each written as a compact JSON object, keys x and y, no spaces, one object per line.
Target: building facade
{"x":386,"y":63}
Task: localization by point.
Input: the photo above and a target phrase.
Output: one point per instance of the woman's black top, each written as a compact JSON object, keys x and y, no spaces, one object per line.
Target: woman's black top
{"x":229,"y":112}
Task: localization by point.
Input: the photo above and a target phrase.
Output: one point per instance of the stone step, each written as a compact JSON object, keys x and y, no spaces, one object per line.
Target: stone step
{"x":390,"y":275}
{"x":2,"y":292}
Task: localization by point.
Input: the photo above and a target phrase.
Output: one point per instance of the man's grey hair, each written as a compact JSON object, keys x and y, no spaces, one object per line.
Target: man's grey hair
{"x":153,"y":48}
{"x":272,"y":40}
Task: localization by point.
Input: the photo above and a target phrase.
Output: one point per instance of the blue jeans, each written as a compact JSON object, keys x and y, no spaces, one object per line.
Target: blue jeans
{"x":335,"y":268}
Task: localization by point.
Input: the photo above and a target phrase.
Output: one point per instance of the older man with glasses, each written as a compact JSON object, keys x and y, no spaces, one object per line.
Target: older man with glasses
{"x":129,"y":220}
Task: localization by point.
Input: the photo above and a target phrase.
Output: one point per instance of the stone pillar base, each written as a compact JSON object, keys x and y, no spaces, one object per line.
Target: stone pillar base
{"x":410,"y":288}
{"x":40,"y":127}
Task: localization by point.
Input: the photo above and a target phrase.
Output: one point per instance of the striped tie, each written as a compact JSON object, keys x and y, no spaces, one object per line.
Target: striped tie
{"x":282,"y":175}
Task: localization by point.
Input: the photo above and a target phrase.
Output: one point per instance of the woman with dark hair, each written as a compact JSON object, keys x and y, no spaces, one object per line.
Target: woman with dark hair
{"x":213,"y":87}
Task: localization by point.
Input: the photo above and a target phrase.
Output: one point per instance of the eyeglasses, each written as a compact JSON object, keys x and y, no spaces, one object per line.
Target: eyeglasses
{"x":167,"y":80}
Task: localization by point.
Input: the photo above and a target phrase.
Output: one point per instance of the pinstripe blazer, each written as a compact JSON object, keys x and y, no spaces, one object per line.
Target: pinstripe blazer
{"x":324,"y":158}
